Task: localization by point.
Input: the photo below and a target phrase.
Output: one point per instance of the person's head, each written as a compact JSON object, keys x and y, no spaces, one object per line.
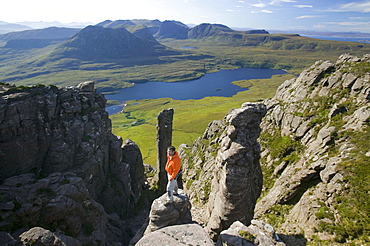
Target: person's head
{"x":171,"y":150}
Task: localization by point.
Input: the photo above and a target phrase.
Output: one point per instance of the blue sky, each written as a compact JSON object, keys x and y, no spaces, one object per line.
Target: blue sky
{"x":318,"y":15}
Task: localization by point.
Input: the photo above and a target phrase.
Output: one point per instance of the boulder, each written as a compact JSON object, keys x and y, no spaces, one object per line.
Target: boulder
{"x":164,"y":214}
{"x":41,"y":237}
{"x":258,"y":233}
{"x":188,"y":234}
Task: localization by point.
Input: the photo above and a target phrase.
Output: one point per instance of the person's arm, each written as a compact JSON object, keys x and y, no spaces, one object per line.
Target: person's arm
{"x":171,"y":171}
{"x":176,"y":167}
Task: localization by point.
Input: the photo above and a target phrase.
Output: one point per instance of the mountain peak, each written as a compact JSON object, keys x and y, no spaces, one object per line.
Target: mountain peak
{"x":99,"y":43}
{"x":173,"y":29}
{"x":206,"y":30}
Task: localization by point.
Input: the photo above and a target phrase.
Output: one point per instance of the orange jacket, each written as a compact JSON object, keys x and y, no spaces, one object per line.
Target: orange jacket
{"x":173,"y":165}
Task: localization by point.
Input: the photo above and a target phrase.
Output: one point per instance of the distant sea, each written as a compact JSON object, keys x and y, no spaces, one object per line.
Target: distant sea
{"x":338,"y":38}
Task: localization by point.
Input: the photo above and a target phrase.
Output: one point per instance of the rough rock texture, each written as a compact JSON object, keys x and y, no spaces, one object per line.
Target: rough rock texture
{"x":258,"y":233}
{"x":304,"y":141}
{"x":189,"y":234}
{"x":46,"y":129}
{"x":42,"y":237}
{"x":222,"y":168}
{"x":59,"y":202}
{"x":163,"y":214}
{"x":6,"y":239}
{"x":131,"y":154}
{"x":164,"y":140}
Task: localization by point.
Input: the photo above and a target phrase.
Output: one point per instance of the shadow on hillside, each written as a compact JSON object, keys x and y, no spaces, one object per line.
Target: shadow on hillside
{"x":27,"y":44}
{"x":293,"y":240}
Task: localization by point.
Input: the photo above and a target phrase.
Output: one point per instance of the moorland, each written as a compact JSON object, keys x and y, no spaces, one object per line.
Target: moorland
{"x":68,"y":59}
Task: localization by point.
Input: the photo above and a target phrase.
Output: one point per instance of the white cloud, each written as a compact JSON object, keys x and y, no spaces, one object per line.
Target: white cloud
{"x":278,"y":2}
{"x":307,"y":16}
{"x":258,"y":5}
{"x":344,"y":23}
{"x":348,"y":26}
{"x":356,"y":18}
{"x":360,"y":7}
{"x":353,"y":7}
{"x":303,"y":6}
{"x":230,"y":10}
{"x":319,"y":26}
{"x":241,"y":1}
{"x":262,"y":11}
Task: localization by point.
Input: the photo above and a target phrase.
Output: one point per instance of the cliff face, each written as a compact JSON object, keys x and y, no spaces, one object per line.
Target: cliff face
{"x":47,"y":131}
{"x":312,"y":138}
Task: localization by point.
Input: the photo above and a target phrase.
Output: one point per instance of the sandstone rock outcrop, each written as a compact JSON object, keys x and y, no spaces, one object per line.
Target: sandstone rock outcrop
{"x":46,"y":131}
{"x":306,"y":137}
{"x":222,"y":170}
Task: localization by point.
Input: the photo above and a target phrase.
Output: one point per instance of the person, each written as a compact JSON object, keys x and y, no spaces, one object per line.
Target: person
{"x":172,"y":168}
